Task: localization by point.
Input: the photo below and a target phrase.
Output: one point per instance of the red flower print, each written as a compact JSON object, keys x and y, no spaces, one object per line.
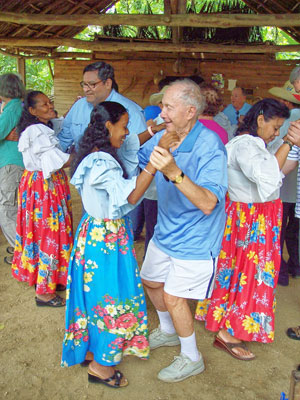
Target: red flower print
{"x":109,"y":322}
{"x":139,"y":341}
{"x":126,"y":321}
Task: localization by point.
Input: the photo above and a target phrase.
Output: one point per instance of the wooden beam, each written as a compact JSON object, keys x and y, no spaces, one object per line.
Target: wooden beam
{"x":117,"y":46}
{"x":191,"y":20}
{"x":21,"y":68}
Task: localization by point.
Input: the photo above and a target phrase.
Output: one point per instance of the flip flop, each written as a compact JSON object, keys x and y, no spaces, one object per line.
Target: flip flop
{"x":57,"y":301}
{"x":117,"y":376}
{"x":10,"y":250}
{"x":226,"y":346}
{"x":8,"y":260}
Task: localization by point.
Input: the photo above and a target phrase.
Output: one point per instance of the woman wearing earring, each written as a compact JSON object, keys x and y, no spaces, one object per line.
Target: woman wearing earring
{"x":242,"y":304}
{"x":44,"y":222}
{"x":106,"y":315}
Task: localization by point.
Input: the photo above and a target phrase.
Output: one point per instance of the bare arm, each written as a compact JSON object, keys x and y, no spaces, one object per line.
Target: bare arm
{"x":289,"y":165}
{"x":144,"y":136}
{"x":202,"y":198}
{"x":142,"y":183}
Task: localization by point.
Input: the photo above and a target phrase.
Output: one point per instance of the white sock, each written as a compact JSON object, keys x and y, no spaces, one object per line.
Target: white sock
{"x":166,"y":323}
{"x":189,"y":347}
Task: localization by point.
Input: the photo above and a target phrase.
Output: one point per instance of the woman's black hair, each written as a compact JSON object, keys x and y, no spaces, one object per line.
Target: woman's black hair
{"x":269,"y":108}
{"x":27,"y":118}
{"x":96,"y":135}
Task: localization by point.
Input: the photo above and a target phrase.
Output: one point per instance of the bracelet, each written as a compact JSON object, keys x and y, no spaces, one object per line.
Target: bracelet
{"x":289,"y":143}
{"x":148,"y":172}
{"x":150,"y":131}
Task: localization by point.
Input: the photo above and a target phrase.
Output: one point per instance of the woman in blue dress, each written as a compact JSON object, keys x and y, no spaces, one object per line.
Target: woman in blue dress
{"x":106,"y":314}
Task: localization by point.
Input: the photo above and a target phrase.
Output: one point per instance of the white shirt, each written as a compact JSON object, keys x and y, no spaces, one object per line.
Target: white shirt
{"x":40,"y":149}
{"x":253,"y":172}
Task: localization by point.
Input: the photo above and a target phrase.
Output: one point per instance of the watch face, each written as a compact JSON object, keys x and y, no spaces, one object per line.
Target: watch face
{"x":178,"y":179}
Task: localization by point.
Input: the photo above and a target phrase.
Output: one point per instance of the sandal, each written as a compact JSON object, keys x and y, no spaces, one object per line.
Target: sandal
{"x":10,"y":250}
{"x":226,"y":346}
{"x":60,"y":287}
{"x":8,"y":260}
{"x":85,"y":363}
{"x":117,"y":377}
{"x":57,"y":301}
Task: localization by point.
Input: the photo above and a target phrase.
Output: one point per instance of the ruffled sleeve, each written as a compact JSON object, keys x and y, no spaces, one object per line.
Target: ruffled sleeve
{"x":40,"y":148}
{"x":103,"y":189}
{"x":258,"y":165}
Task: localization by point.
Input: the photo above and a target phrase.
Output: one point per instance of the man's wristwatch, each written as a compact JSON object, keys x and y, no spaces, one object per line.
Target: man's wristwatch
{"x":178,"y":178}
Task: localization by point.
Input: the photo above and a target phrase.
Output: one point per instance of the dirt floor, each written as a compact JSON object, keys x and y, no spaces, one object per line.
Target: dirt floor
{"x":31,"y":340}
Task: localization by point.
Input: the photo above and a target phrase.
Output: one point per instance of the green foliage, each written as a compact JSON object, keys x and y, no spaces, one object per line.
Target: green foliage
{"x":38,"y":76}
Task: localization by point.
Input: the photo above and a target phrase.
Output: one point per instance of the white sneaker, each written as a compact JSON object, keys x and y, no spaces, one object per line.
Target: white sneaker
{"x":181,"y":368}
{"x":158,"y":338}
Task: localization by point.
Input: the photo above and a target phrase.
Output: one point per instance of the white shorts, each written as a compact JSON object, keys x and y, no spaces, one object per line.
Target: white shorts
{"x":189,"y":279}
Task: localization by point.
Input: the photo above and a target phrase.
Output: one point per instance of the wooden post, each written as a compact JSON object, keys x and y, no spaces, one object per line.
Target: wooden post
{"x":21,"y":66}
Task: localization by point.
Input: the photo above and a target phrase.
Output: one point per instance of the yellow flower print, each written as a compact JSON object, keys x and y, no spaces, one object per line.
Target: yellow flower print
{"x":52,"y":285}
{"x":36,"y":214}
{"x":250,"y":325}
{"x":228,"y":226}
{"x":269,"y":267}
{"x":202,"y":307}
{"x":219,"y":313}
{"x":227,"y":324}
{"x":30,"y":235}
{"x":45,"y":185}
{"x":243,"y":279}
{"x":253,"y":255}
{"x":261,"y":224}
{"x":238,"y":206}
{"x":222,"y":254}
{"x":53,"y":223}
{"x":252,"y":210}
{"x":233,"y":262}
{"x":97,"y":234}
{"x":88,"y":277}
{"x":18,"y":246}
{"x":66,"y":254}
{"x":113,"y":226}
{"x":225,"y":298}
{"x":271,"y":335}
{"x":242,"y":218}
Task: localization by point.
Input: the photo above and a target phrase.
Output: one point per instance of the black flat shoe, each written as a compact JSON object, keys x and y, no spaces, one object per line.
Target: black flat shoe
{"x":10,"y":250}
{"x":117,"y":377}
{"x":294,"y":333}
{"x":8,"y":260}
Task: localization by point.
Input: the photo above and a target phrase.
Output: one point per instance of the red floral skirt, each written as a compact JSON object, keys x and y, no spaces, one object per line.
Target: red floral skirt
{"x":44,"y":231}
{"x":243,"y":300}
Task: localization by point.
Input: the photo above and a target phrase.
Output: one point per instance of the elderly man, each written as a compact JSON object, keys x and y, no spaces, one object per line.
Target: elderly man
{"x":99,"y":85}
{"x":290,"y":224}
{"x":181,"y":257}
{"x":238,"y":105}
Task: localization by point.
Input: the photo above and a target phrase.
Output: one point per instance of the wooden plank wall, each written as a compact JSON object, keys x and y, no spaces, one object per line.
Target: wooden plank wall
{"x":136,"y":77}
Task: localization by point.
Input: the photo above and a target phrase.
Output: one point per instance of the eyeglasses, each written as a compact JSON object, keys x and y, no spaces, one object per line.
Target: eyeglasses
{"x":92,"y":86}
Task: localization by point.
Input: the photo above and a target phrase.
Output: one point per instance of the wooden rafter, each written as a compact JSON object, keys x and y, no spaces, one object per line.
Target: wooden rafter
{"x":191,"y":20}
{"x":117,"y":46}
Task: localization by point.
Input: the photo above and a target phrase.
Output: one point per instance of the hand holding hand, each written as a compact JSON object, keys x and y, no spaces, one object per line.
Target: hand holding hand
{"x":163,"y":161}
{"x":293,"y":134}
{"x":168,"y":140}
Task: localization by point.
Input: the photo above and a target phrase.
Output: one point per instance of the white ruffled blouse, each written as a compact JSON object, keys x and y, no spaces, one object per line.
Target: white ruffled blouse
{"x":40,"y":149}
{"x":253,"y":172}
{"x":102,"y":188}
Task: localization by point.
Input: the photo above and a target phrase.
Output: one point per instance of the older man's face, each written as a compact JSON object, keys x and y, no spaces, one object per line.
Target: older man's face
{"x":237,"y":98}
{"x":297,"y":85}
{"x":94,"y":89}
{"x":174,"y":112}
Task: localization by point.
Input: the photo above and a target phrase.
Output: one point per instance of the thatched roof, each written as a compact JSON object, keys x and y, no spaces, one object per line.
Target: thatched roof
{"x":32,"y":27}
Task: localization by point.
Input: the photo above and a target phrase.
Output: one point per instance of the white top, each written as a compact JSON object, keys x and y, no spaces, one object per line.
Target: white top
{"x":40,"y":149}
{"x":253,"y":172}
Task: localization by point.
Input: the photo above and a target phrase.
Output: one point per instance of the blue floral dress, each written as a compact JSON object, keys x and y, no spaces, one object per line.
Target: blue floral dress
{"x":106,"y":309}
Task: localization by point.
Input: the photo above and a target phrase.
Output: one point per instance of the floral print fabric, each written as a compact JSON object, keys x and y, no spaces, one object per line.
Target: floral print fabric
{"x":44,"y":231}
{"x":243,"y":300}
{"x":106,"y":308}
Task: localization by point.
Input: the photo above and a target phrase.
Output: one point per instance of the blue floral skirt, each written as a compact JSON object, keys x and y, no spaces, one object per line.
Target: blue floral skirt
{"x":106,"y":309}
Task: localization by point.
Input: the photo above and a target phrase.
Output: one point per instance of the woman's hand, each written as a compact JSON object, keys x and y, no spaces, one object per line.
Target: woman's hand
{"x":12,"y":136}
{"x":163,"y":161}
{"x":168,"y":139}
